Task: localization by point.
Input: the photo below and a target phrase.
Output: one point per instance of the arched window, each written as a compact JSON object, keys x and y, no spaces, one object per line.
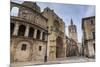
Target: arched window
{"x":14,"y":11}
{"x":21,"y":30}
{"x":12,"y":28}
{"x":23,"y":47}
{"x":38,"y":34}
{"x":43,"y":36}
{"x":31,"y":32}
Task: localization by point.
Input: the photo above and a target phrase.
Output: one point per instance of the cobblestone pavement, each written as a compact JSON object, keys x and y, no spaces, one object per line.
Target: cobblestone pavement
{"x":58,"y":61}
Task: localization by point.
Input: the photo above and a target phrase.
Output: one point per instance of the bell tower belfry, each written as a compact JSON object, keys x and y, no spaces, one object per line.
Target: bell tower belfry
{"x":72,"y":31}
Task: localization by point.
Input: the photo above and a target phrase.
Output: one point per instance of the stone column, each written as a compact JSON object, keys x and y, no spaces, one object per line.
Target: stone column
{"x":41,"y":35}
{"x":16,"y":28}
{"x":27,"y":31}
{"x":35,"y":33}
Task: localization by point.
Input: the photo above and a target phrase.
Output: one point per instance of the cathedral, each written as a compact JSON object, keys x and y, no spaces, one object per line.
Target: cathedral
{"x":36,"y":36}
{"x":28,"y":35}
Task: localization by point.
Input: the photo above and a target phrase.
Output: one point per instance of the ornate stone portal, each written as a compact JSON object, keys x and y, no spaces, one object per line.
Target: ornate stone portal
{"x":56,"y":37}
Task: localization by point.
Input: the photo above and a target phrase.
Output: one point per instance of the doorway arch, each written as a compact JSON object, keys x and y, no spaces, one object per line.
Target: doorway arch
{"x":21,"y":30}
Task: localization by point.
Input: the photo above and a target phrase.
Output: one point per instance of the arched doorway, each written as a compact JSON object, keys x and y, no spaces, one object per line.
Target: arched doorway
{"x":21,"y":31}
{"x":31,"y":32}
{"x":38,"y":34}
{"x":43,"y":38}
{"x":59,"y":47}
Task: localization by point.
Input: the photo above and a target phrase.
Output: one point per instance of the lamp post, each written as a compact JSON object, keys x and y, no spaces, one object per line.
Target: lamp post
{"x":45,"y":57}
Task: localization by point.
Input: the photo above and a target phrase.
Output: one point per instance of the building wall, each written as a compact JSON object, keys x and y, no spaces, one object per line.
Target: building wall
{"x":32,"y":52}
{"x":88,"y":26}
{"x":72,"y":48}
{"x":29,"y":28}
{"x":27,"y":12}
{"x":43,"y":42}
{"x":55,"y":30}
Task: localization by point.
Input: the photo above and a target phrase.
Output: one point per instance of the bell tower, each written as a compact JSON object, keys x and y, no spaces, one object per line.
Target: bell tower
{"x":72,"y":31}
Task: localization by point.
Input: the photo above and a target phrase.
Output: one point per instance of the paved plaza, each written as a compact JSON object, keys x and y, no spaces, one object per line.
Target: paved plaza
{"x":58,"y":61}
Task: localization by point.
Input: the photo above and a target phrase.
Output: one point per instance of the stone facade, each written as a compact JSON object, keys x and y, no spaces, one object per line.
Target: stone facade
{"x":56,"y":35}
{"x":28,"y":34}
{"x":88,"y":27}
{"x":36,"y":36}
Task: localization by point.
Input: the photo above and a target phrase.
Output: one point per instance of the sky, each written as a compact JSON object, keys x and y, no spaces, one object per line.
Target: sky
{"x":68,"y":12}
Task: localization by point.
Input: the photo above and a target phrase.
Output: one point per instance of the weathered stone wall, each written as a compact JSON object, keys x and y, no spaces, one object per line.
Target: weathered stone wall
{"x":34,"y":36}
{"x":55,"y":30}
{"x":29,"y":14}
{"x":37,"y":49}
{"x":88,"y":26}
{"x":91,"y":49}
{"x":32,"y":52}
{"x":72,"y":48}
